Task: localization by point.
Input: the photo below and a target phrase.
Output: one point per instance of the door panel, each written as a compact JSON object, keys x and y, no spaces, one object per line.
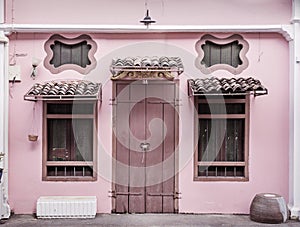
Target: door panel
{"x":137,"y":159}
{"x":122,"y":156}
{"x":122,"y":176}
{"x":165,"y":92}
{"x":154,"y":135}
{"x":169,"y":159}
{"x":145,"y":137}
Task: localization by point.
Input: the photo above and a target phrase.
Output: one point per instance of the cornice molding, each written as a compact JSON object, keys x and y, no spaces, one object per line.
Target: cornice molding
{"x":285,"y":30}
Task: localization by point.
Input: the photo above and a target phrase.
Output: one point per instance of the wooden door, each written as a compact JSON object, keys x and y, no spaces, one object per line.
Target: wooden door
{"x":145,"y":144}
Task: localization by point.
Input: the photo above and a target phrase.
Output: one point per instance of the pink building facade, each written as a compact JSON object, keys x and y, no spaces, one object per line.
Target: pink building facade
{"x":269,"y":150}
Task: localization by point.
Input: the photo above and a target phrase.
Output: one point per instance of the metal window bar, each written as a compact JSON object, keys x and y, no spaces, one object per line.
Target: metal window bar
{"x":70,"y":170}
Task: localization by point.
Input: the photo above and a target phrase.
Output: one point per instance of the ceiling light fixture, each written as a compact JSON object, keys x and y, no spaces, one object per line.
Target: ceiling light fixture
{"x":147,"y":19}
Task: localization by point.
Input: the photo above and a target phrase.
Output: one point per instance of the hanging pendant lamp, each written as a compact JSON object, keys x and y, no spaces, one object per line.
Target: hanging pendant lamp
{"x":147,"y":19}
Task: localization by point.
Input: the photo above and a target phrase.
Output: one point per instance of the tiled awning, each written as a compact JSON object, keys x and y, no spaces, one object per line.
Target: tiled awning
{"x":225,"y":86}
{"x":64,"y":90}
{"x":146,"y":68}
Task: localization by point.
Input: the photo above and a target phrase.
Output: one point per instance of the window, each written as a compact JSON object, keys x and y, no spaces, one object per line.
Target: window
{"x":216,"y":53}
{"x":70,"y":54}
{"x":221,"y":54}
{"x":75,"y":54}
{"x":69,"y":151}
{"x":222,"y":148}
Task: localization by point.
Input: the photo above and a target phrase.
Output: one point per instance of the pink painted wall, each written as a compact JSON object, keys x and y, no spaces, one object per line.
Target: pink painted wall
{"x":269,"y":135}
{"x":268,"y":154}
{"x":176,"y":12}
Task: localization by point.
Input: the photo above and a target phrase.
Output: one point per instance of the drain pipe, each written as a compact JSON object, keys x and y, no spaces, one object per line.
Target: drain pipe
{"x":294,"y":163}
{"x":4,"y":56}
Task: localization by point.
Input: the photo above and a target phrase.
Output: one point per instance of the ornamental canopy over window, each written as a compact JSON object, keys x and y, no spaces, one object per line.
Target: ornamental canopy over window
{"x":135,"y":68}
{"x":64,"y":90}
{"x":225,"y":86}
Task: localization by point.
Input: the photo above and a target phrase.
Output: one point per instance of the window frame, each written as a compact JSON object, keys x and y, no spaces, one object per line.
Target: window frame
{"x":70,"y":41}
{"x":46,"y":163}
{"x":244,"y":163}
{"x":222,"y":41}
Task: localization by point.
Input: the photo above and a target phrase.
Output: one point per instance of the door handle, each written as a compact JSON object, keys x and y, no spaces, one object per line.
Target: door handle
{"x":145,"y":146}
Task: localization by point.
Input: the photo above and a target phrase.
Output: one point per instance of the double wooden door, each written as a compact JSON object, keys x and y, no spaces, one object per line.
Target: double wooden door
{"x":145,"y":132}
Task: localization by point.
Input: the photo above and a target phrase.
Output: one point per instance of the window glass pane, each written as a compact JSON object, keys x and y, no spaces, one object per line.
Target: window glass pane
{"x":212,"y":108}
{"x":83,"y":139}
{"x":53,"y":108}
{"x":234,"y":142}
{"x":70,"y":140}
{"x":235,"y":108}
{"x":203,"y":138}
{"x":83,"y":108}
{"x":214,"y":144}
{"x":216,"y":108}
{"x":71,"y":108}
{"x":58,"y":140}
{"x":211,"y":137}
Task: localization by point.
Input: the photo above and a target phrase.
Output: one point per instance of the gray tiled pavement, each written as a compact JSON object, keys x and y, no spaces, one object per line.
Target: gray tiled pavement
{"x":110,"y":220}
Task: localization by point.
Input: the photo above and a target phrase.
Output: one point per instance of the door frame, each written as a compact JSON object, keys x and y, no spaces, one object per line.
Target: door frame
{"x":176,"y":139}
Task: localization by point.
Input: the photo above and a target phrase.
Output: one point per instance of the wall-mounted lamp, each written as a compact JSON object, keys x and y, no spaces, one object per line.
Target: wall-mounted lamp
{"x":35,"y":63}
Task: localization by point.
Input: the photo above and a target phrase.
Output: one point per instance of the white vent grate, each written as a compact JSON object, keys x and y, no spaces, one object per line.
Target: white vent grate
{"x":66,"y":207}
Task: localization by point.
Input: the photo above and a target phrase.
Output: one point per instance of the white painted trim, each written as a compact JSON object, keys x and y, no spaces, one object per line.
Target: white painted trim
{"x":2,"y":11}
{"x":4,"y":56}
{"x":296,"y":11}
{"x":285,"y":30}
{"x":3,"y":38}
{"x":4,"y":91}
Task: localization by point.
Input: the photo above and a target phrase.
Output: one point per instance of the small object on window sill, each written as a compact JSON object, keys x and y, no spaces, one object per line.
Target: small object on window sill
{"x":33,"y":138}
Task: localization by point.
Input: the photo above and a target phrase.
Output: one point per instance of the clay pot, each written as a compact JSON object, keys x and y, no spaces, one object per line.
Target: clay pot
{"x":268,"y":208}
